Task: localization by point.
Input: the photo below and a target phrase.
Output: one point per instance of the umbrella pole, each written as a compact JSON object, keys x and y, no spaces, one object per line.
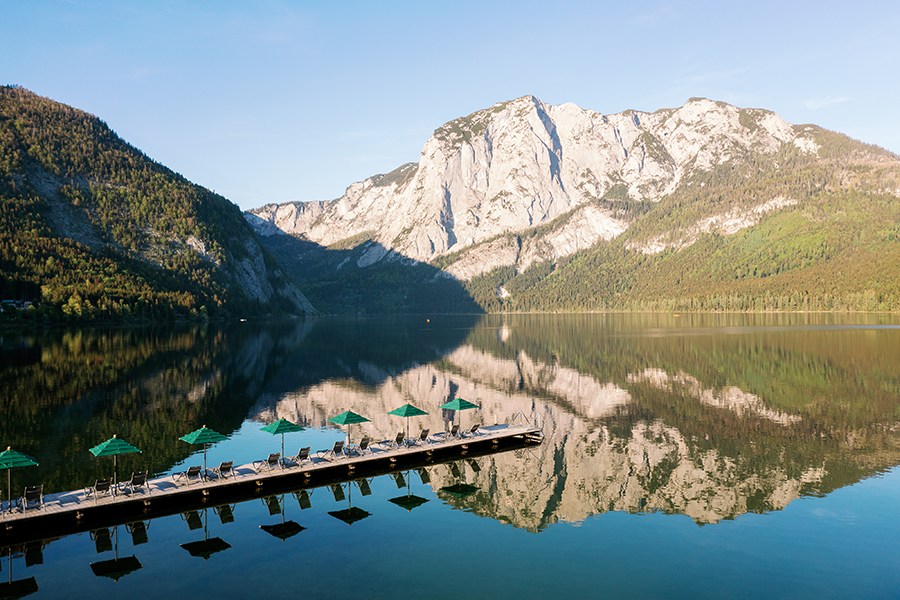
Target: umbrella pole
{"x":115,"y":472}
{"x":9,"y":485}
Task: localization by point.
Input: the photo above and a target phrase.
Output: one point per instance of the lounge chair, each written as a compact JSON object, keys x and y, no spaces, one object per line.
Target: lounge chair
{"x":224,"y":469}
{"x":396,"y":442}
{"x":34,"y":554}
{"x":138,"y":482}
{"x":399,"y":480}
{"x":300,"y":457}
{"x":274,"y":460}
{"x":193,"y":519}
{"x":360,"y":449}
{"x":303,"y":499}
{"x":138,"y":531}
{"x":100,"y":487}
{"x":335,"y":450}
{"x":448,"y":435}
{"x":102,"y":540}
{"x":364,"y":488}
{"x":338,"y":491}
{"x":423,"y":438}
{"x":273,"y":504}
{"x":471,"y":432}
{"x":424,"y":476}
{"x":226,"y":513}
{"x":195,"y":472}
{"x":33,"y":498}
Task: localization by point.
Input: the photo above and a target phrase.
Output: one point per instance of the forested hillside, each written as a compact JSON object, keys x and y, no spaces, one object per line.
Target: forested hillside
{"x":832,"y":243}
{"x":92,"y":229}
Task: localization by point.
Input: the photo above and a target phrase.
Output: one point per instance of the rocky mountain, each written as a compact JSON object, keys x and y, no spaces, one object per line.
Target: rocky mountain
{"x":91,"y":228}
{"x":524,"y":183}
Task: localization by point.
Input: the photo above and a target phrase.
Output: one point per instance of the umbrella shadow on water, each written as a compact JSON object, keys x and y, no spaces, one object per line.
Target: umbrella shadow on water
{"x":285,"y":529}
{"x":207,"y":546}
{"x":115,"y":568}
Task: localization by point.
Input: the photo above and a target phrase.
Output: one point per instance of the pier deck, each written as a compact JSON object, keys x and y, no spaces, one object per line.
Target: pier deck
{"x":71,"y":511}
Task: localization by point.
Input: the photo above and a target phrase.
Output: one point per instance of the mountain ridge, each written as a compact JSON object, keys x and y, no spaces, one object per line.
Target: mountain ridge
{"x":91,"y":225}
{"x":524,"y":184}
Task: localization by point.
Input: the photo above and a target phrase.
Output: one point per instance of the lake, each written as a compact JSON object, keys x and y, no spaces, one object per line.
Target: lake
{"x":685,"y":456}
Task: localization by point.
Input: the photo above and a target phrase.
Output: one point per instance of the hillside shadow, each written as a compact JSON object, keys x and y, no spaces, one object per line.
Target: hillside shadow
{"x":386,"y":283}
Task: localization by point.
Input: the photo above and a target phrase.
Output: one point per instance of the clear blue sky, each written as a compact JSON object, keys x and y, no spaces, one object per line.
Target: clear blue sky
{"x":274,"y":101}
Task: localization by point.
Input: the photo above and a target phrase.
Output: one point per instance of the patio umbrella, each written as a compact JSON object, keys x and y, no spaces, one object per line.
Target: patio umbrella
{"x":10,"y":458}
{"x":459,"y":404}
{"x":407,"y":410}
{"x":460,"y":490}
{"x":348,"y":417}
{"x":18,"y":588}
{"x":409,"y":501}
{"x":203,"y":436}
{"x":207,"y":546}
{"x":113,"y":447}
{"x":281,"y":426}
{"x":351,"y":514}
{"x":116,"y":568}
{"x":285,"y":529}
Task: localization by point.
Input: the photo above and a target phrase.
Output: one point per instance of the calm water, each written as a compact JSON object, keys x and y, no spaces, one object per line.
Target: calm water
{"x":685,"y":456}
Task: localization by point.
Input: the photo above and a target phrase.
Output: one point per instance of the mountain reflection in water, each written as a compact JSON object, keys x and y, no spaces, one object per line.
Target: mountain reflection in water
{"x":707,"y":416}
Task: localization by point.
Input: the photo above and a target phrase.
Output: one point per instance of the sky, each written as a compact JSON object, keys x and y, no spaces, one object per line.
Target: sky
{"x":275,"y":101}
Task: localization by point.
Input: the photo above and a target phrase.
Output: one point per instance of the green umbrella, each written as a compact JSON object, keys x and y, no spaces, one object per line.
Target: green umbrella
{"x":348,"y":417}
{"x":113,"y":447}
{"x":459,"y":404}
{"x":203,"y":436}
{"x":460,"y":490}
{"x":281,"y":426}
{"x":407,"y":410}
{"x":10,"y":458}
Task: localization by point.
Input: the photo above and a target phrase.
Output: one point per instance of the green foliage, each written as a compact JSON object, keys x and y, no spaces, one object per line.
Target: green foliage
{"x":132,"y":219}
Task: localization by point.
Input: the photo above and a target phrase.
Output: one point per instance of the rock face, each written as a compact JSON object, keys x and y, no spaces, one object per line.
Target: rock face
{"x":654,"y":467}
{"x":524,"y":163}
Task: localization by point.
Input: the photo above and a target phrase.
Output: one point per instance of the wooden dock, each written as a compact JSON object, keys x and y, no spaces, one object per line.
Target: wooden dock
{"x":71,"y":512}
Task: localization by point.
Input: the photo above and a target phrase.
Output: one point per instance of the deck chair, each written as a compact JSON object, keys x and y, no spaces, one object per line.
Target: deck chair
{"x":300,"y":456}
{"x":193,"y":519}
{"x":338,"y":491}
{"x":33,"y":498}
{"x":102,"y":540}
{"x":224,"y":469}
{"x":273,"y":504}
{"x":396,"y":442}
{"x":399,"y":480}
{"x":138,"y":482}
{"x":274,"y":460}
{"x":423,"y":438}
{"x":195,"y":472}
{"x":448,"y":435}
{"x":364,"y":487}
{"x":34,"y":553}
{"x":335,"y":450}
{"x":138,"y":531}
{"x":226,"y":513}
{"x":473,"y":465}
{"x":303,"y":500}
{"x":362,"y":448}
{"x":424,"y":476}
{"x":101,"y":487}
{"x":472,"y":431}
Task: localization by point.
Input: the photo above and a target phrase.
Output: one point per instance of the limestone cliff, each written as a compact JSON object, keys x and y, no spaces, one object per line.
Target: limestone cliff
{"x":524,"y":163}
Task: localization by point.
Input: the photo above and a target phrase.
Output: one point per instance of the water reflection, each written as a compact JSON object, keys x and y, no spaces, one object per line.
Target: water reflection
{"x":707,"y":416}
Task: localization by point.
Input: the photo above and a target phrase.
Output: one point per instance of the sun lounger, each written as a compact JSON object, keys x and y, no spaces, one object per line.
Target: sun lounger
{"x":337,"y":449}
{"x":33,"y":498}
{"x":361,"y":449}
{"x":195,"y":472}
{"x":101,"y":487}
{"x":138,"y":482}
{"x":422,"y":439}
{"x":224,"y":469}
{"x":300,"y":456}
{"x":274,"y":460}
